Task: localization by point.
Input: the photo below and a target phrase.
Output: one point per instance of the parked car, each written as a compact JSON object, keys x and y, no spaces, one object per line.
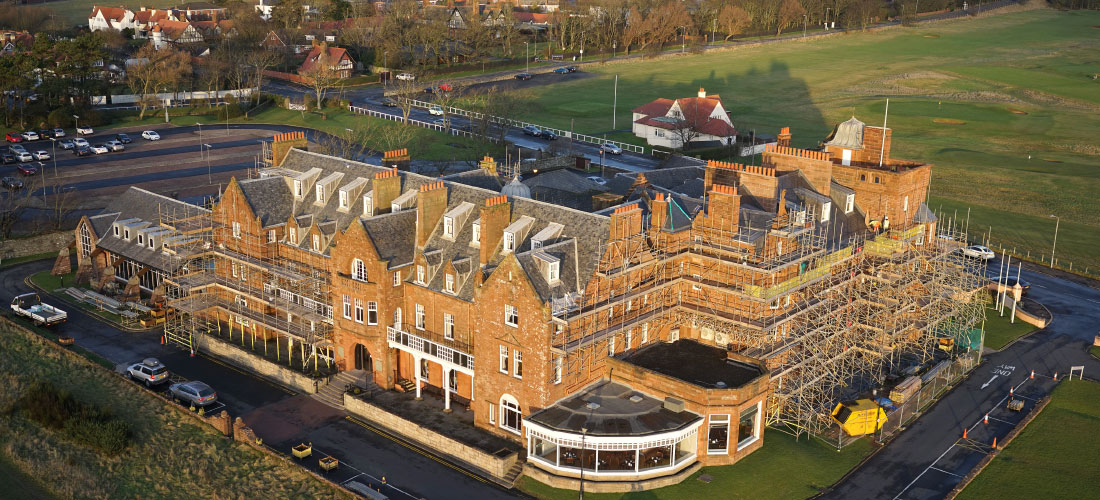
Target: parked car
{"x":66,"y":144}
{"x":16,"y":148}
{"x":978,"y":252}
{"x":85,"y":130}
{"x":598,"y":180}
{"x":548,"y":135}
{"x":82,"y":151}
{"x":532,"y":130}
{"x":149,"y":371}
{"x":523,"y":76}
{"x":23,"y":156}
{"x":389,"y":103}
{"x":445,"y":87}
{"x":27,"y":170}
{"x":115,"y":145}
{"x":123,"y":138}
{"x":13,"y":137}
{"x":150,"y":135}
{"x":435,"y":110}
{"x":405,"y":76}
{"x":100,"y":149}
{"x":41,"y":155}
{"x":8,"y":158}
{"x":1010,"y":282}
{"x":81,"y":142}
{"x":12,"y":183}
{"x":30,"y":135}
{"x":194,"y":392}
{"x":610,"y":148}
{"x":45,"y":133}
{"x":30,"y":306}
{"x":442,"y":122}
{"x":59,"y":132}
{"x":565,"y":69}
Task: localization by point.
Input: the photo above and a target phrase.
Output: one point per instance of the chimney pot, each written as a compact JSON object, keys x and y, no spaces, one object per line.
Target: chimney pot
{"x":702,"y":92}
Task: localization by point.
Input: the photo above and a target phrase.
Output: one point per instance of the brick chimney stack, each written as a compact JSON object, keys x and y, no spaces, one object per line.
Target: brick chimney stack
{"x":785,"y":137}
{"x":495,"y":216}
{"x":431,"y":202}
{"x":626,"y":221}
{"x":723,"y":208}
{"x":658,"y":212}
{"x":387,"y":187}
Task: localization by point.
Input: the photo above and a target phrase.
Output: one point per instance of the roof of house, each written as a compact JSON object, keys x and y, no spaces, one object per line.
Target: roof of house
{"x":609,"y":408}
{"x":173,"y":29}
{"x":323,"y":52}
{"x":139,"y":204}
{"x":696,"y":113}
{"x":113,"y":13}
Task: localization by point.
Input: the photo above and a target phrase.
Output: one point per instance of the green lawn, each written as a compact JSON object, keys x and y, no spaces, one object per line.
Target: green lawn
{"x":782,"y":469}
{"x":1095,"y":350}
{"x":1056,"y":456}
{"x":1021,"y":84}
{"x":999,"y":331}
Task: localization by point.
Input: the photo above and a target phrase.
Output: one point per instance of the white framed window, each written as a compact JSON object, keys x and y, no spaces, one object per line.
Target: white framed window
{"x":492,"y":413}
{"x":320,"y":193}
{"x":476,"y":239}
{"x":509,"y":241}
{"x":420,"y":317}
{"x":141,"y":239}
{"x":116,"y":231}
{"x":557,"y":370}
{"x":718,"y":434}
{"x":905,"y":204}
{"x":448,"y":227}
{"x":298,"y":188}
{"x":372,"y":313}
{"x":236,"y":230}
{"x":293,"y":236}
{"x":450,"y":283}
{"x":826,"y":208}
{"x":849,"y":203}
{"x":397,"y":318}
{"x":448,"y":326}
{"x":611,"y":346}
{"x":397,"y":278}
{"x":420,"y":274}
{"x":779,"y":247}
{"x":233,"y":269}
{"x":343,"y":199}
{"x":504,"y":360}
{"x":452,"y":380}
{"x":511,"y":315}
{"x":552,"y":272}
{"x":347,"y":307}
{"x":358,"y":270}
{"x":271,"y":236}
{"x":425,"y":369}
{"x":628,"y":339}
{"x":674,"y":335}
{"x":368,"y":206}
{"x":748,"y":426}
{"x":316,"y":242}
{"x":510,"y":416}
{"x":358,"y":310}
{"x":517,"y":364}
{"x":126,"y":233}
{"x":645,"y":333}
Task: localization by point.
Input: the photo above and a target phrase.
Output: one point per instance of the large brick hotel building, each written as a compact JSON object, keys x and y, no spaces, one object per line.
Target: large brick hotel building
{"x":633,"y":343}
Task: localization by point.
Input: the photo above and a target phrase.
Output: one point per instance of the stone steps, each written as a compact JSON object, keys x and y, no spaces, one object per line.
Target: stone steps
{"x":513,"y":474}
{"x":332,"y":394}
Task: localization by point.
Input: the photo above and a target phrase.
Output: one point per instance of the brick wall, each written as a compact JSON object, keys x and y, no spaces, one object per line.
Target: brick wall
{"x":49,"y":242}
{"x":883,"y":191}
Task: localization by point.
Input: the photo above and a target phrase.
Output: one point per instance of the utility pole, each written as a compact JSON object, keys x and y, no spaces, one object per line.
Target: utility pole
{"x":209,"y":178}
{"x":527,"y":56}
{"x":54,"y":157}
{"x":615,"y":103}
{"x":1053,"y":247}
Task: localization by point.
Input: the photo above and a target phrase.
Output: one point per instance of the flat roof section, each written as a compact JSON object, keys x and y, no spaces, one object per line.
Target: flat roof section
{"x":695,"y":363}
{"x":613,"y":409}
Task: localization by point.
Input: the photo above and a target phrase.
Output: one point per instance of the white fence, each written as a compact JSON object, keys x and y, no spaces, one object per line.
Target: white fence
{"x":433,"y":126}
{"x":101,"y":100}
{"x":520,"y":124}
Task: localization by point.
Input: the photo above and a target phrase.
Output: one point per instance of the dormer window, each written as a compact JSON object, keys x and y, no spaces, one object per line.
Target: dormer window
{"x":271,"y":236}
{"x":116,"y":231}
{"x":368,"y":206}
{"x":293,"y":236}
{"x":476,"y":239}
{"x":126,"y":233}
{"x":358,"y":270}
{"x":236,"y":230}
{"x":298,"y":188}
{"x":330,"y":38}
{"x":316,"y":242}
{"x":343,"y":199}
{"x":450,"y":283}
{"x":309,"y":37}
{"x":849,"y":203}
{"x":320,"y":193}
{"x":420,"y":274}
{"x":509,"y":241}
{"x":448,"y":227}
{"x":151,"y":244}
{"x":552,"y":272}
{"x":825,"y":209}
{"x":141,"y":239}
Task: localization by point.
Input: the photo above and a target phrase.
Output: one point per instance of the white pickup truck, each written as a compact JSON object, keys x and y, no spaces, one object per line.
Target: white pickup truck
{"x":31,"y":306}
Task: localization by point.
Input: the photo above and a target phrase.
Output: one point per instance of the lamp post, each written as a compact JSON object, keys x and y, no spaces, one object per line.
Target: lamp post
{"x":614,"y":48}
{"x":827,"y":9}
{"x":527,"y":56}
{"x":209,"y":178}
{"x":53,"y":155}
{"x":200,"y":139}
{"x":226,"y":103}
{"x":805,"y":19}
{"x":1057,"y":220}
{"x":683,"y":39}
{"x":76,"y":122}
{"x":584,"y":433}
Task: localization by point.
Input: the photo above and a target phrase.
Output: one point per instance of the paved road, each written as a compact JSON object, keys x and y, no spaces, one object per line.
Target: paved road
{"x":279,"y":416}
{"x":930,"y":458}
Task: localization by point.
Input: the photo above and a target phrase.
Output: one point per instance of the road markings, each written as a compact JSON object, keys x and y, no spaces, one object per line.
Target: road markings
{"x":361,"y":473}
{"x":402,"y":442}
{"x":990,"y":382}
{"x":945,"y":472}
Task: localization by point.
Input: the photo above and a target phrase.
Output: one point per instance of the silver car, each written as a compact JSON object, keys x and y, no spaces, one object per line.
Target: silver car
{"x":150,"y":371}
{"x":194,"y":392}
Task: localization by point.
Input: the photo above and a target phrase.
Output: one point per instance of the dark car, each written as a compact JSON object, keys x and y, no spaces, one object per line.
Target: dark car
{"x":82,"y":151}
{"x":123,"y":138}
{"x":13,"y":137}
{"x":45,"y":133}
{"x":11,"y":183}
{"x":9,"y":159}
{"x":524,"y":76}
{"x":548,"y":135}
{"x":532,"y":130}
{"x":566,"y":69}
{"x":27,"y":170}
{"x":389,"y":103}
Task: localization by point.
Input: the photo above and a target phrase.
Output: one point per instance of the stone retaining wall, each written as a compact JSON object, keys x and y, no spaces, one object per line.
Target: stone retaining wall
{"x":49,"y":242}
{"x":257,"y":365}
{"x":491,"y":465}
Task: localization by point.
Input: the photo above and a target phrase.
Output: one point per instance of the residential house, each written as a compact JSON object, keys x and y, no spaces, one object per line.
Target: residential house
{"x":335,"y":59}
{"x":700,"y":120}
{"x":15,"y":41}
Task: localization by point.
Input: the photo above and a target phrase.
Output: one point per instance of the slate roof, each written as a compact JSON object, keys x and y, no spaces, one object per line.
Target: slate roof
{"x":384,"y":231}
{"x":607,"y":409}
{"x":270,"y":199}
{"x":137,"y":203}
{"x":476,"y":178}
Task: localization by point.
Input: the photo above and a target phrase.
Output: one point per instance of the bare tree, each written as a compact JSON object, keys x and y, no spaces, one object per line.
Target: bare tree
{"x":690,"y":122}
{"x":403,"y":92}
{"x":60,"y":204}
{"x":13,"y":205}
{"x":790,"y":11}
{"x":322,"y":75}
{"x":156,"y":69}
{"x":733,"y":20}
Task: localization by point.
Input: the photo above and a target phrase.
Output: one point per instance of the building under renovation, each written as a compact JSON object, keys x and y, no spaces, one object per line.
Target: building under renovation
{"x":657,"y":334}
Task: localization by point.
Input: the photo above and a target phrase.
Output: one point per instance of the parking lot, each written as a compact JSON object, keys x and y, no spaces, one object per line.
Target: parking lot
{"x":181,"y":163}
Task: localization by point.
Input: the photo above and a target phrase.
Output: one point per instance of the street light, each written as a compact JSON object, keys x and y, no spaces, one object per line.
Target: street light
{"x":226,"y":103}
{"x":76,"y":123}
{"x":209,"y":179}
{"x":200,"y":139}
{"x":584,"y":433}
{"x":1057,"y":220}
{"x":54,"y":156}
{"x":527,"y":57}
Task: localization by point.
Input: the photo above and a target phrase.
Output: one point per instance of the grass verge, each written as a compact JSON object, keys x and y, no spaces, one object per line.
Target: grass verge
{"x":170,"y":453}
{"x":27,"y":258}
{"x":1056,"y":456}
{"x":783,"y":469}
{"x":1095,"y":351}
{"x":999,"y":331}
{"x":15,"y":483}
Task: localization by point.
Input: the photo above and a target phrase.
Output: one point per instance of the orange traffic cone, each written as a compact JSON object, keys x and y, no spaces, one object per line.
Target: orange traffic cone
{"x":1032,"y":377}
{"x":162,"y":340}
{"x":1056,"y":376}
{"x":986,"y":419}
{"x":994,"y":442}
{"x":1011,"y":391}
{"x":964,"y":432}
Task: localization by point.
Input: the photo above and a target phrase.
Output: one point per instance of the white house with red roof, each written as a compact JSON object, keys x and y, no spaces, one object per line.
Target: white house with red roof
{"x":671,"y":123}
{"x":337,"y":60}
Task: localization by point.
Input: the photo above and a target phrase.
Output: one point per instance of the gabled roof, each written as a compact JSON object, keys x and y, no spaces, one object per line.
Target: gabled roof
{"x":331,"y":55}
{"x":696,"y":113}
{"x":111,"y":13}
{"x":269,"y":198}
{"x":658,"y":107}
{"x":173,"y":29}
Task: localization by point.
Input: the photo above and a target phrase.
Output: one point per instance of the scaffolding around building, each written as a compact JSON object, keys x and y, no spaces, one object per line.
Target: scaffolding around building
{"x":271,"y":297}
{"x":833,"y":318}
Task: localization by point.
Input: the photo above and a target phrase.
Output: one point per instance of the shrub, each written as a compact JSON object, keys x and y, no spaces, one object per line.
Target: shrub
{"x":61,"y":117}
{"x":86,"y":424}
{"x":46,"y":405}
{"x":109,"y":437}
